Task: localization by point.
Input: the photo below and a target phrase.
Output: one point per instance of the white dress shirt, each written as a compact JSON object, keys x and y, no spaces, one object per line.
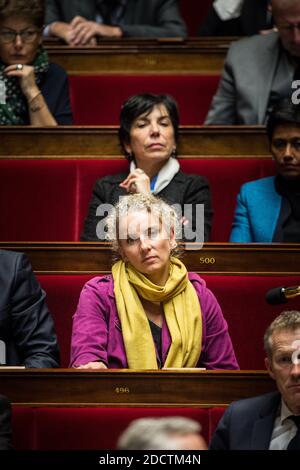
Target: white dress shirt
{"x":228,"y":9}
{"x":284,"y":429}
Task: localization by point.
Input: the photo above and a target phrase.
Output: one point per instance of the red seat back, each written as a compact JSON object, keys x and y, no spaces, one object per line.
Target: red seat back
{"x":47,"y":200}
{"x":97,"y":99}
{"x":242,"y":299}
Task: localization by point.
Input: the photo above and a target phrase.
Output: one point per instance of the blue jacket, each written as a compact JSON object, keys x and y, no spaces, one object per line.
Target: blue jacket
{"x":257,"y":212}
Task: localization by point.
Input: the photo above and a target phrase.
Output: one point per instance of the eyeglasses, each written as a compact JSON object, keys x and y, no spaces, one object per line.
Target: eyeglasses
{"x":288,"y":27}
{"x":27,"y":35}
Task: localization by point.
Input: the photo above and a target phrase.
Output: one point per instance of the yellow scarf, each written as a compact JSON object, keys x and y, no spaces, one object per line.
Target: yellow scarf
{"x":181,"y":308}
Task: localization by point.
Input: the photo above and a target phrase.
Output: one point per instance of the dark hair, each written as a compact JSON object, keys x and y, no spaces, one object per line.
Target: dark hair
{"x":284,"y":112}
{"x":137,"y":105}
{"x":32,"y":10}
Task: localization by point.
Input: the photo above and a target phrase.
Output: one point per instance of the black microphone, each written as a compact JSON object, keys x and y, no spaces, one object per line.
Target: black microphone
{"x":281,"y":295}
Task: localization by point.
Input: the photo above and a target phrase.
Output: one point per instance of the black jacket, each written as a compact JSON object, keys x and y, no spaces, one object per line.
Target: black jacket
{"x":247,"y":424}
{"x":26,"y":325}
{"x":253,"y":19}
{"x":183,"y":189}
{"x":142,"y":18}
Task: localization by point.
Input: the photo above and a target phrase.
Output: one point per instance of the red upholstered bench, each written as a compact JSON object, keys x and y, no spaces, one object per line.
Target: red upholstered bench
{"x":47,"y":200}
{"x":242,"y":299}
{"x":37,"y":200}
{"x":90,"y":428}
{"x":23,"y":426}
{"x":97,"y":99}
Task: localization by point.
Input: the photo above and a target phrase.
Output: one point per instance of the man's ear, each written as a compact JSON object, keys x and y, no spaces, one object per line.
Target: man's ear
{"x":269,"y":367}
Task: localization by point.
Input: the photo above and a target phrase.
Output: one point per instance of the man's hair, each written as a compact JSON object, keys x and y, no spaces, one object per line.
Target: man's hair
{"x":287,"y":320}
{"x":141,"y":202}
{"x":138,"y":105}
{"x":156,"y":433}
{"x":31,"y":10}
{"x":284,"y":112}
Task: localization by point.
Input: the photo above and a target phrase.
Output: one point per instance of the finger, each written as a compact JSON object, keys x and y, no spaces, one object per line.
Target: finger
{"x":80,"y":35}
{"x":13,"y":67}
{"x":78,"y":28}
{"x":87,"y":37}
{"x":14,"y":73}
{"x":77,"y":20}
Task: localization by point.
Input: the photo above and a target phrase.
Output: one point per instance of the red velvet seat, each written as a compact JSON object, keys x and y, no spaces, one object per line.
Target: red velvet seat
{"x":91,"y":428}
{"x":47,"y":200}
{"x":98,"y":428}
{"x":23,"y":425}
{"x":97,"y":99}
{"x":242,"y":299}
{"x":37,"y":200}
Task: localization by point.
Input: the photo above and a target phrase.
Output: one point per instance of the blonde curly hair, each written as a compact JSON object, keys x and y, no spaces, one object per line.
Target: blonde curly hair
{"x":142,"y":202}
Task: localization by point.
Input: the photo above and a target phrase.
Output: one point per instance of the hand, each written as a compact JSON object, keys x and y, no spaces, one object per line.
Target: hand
{"x":136,"y":182}
{"x":93,"y":365}
{"x":62,"y":30}
{"x":264,"y":32}
{"x":184,"y":220}
{"x":26,"y":77}
{"x":84,"y":31}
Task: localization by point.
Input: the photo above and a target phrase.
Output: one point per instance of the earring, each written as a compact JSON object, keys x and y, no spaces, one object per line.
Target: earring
{"x":174,"y":153}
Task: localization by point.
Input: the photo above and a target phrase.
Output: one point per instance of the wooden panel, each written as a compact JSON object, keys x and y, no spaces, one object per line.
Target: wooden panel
{"x":213,"y":258}
{"x":197,"y":55}
{"x":187,"y":387}
{"x":94,"y":142}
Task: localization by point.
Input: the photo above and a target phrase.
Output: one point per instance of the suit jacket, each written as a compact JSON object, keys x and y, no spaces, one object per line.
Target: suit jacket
{"x":142,"y":18}
{"x":26,"y":326}
{"x":183,"y":189}
{"x":247,"y":424}
{"x":244,"y":91}
{"x":257,"y":212}
{"x":253,"y":19}
{"x":5,"y":423}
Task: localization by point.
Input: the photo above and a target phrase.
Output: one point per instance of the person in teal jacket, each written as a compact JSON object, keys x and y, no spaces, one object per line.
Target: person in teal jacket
{"x":268,"y":209}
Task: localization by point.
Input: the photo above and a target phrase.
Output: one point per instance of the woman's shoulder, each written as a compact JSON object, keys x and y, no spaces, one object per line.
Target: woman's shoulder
{"x":56,"y":70}
{"x":190,"y":178}
{"x":100,"y":286}
{"x":197,"y":281}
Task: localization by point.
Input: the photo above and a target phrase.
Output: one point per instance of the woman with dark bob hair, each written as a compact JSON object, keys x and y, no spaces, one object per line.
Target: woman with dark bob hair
{"x":150,"y":312}
{"x":149,"y":136}
{"x":33,"y":91}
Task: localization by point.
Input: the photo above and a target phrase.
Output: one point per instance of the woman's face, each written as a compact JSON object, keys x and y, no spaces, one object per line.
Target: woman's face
{"x":146,"y":245}
{"x":19,"y":51}
{"x":285,"y":147}
{"x":152,"y":137}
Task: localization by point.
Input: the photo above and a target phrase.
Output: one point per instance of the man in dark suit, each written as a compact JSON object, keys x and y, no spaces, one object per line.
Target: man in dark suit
{"x":82,"y":22}
{"x":245,"y":18}
{"x":5,"y":423}
{"x":270,"y":421}
{"x":27,"y":335}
